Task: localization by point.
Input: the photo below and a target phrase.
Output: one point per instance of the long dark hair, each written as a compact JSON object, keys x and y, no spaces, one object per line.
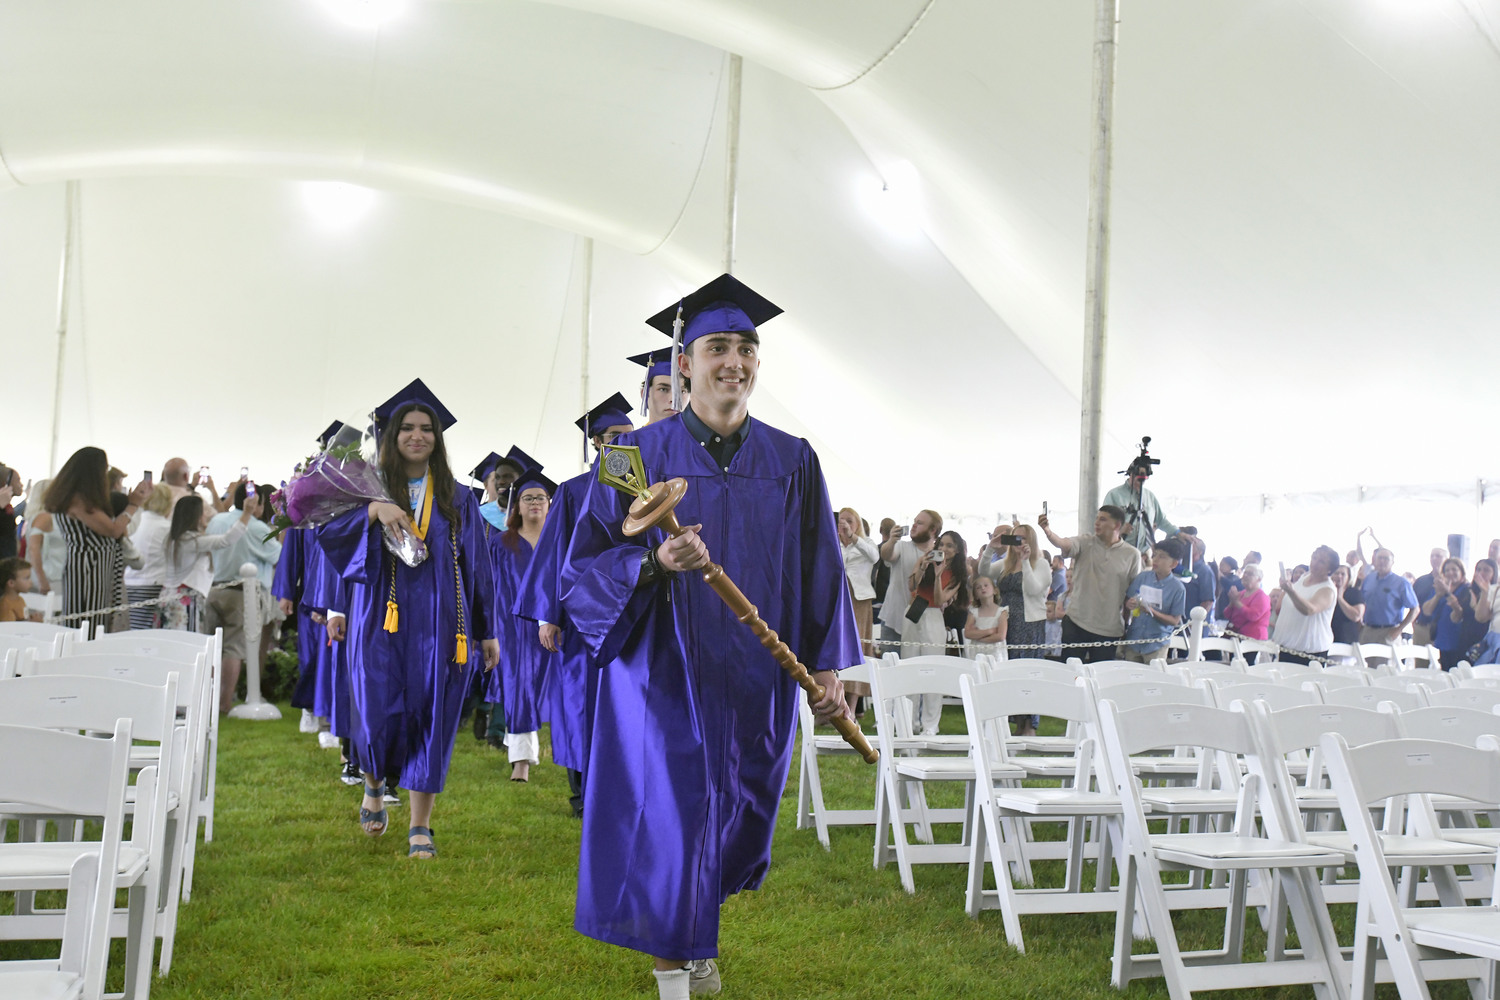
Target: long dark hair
{"x":84,"y":475}
{"x":393,"y":466}
{"x":958,"y":567}
{"x":187,"y":519}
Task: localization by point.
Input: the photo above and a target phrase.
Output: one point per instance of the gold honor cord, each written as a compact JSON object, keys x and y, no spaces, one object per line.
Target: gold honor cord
{"x":424,"y":521}
{"x":622,"y":469}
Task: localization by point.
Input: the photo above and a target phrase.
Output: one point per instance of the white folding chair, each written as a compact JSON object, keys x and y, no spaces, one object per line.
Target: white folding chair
{"x":44,"y":630}
{"x":1219,"y":644}
{"x":168,"y":642}
{"x":1376,"y":655}
{"x":1410,"y":656}
{"x":1420,"y":679}
{"x":1370,"y":697}
{"x":1395,"y":775}
{"x":1258,"y":650}
{"x":1276,"y":696}
{"x":38,"y":646}
{"x":191,"y":698}
{"x":84,"y":920}
{"x":1005,"y":813}
{"x":1331,"y":680}
{"x":1225,"y":736}
{"x":811,"y":809}
{"x":48,"y":605}
{"x":1346,"y":653}
{"x":84,"y":776}
{"x":1483,"y":699}
{"x":1063,"y":673}
{"x":92,"y":704}
{"x":905,"y":776}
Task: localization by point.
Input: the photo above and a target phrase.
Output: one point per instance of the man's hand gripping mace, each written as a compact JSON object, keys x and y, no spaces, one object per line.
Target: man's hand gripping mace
{"x":653,"y":508}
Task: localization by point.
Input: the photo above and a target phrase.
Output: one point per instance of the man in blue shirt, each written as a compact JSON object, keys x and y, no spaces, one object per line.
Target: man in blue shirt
{"x":1154,"y":603}
{"x":1390,"y":602}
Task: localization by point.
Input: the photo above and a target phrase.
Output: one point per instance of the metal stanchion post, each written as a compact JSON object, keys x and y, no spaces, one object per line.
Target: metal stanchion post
{"x":1195,"y":633}
{"x":255,"y":707}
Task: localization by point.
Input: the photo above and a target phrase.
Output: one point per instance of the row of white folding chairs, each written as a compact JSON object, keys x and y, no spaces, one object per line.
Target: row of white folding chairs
{"x":50,"y":639}
{"x":151,"y":656}
{"x":812,"y":811}
{"x":1181,"y":717}
{"x":95,"y":704}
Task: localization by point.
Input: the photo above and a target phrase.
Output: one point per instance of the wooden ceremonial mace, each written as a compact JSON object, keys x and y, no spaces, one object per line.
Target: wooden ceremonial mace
{"x":655,"y":508}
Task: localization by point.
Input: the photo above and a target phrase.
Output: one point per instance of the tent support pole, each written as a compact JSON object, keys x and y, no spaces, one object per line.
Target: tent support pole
{"x":587,"y":323}
{"x":64,"y":293}
{"x":732,"y":162}
{"x":1096,"y":286}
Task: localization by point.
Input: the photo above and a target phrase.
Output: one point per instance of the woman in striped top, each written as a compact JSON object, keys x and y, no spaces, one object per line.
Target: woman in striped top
{"x":78,"y":500}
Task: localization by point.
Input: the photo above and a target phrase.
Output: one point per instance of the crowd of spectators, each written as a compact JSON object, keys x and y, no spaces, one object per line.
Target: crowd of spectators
{"x":1121,"y":589}
{"x":165,"y":554}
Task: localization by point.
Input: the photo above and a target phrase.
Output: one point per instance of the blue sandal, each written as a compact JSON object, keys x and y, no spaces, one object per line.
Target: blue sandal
{"x":421,"y":851}
{"x":369,"y":817}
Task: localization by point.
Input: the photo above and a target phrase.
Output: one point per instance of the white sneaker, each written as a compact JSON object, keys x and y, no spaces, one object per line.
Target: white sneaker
{"x":703,"y":976}
{"x":309,"y":723}
{"x":328,"y":741}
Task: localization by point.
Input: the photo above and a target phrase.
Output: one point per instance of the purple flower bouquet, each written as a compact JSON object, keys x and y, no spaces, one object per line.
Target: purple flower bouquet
{"x":333,"y":483}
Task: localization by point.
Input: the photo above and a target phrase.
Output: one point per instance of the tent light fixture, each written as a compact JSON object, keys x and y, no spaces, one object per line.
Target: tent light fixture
{"x":336,"y":204}
{"x":368,"y":15}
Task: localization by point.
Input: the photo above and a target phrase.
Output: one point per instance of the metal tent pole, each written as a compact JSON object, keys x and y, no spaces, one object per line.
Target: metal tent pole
{"x":732,"y":162}
{"x":1096,"y":288}
{"x":64,"y":294}
{"x":583,"y":363}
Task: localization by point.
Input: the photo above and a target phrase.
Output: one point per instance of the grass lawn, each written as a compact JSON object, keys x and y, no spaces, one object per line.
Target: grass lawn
{"x":291,"y":900}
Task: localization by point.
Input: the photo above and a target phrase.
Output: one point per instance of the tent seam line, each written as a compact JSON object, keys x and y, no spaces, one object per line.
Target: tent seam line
{"x":911,"y":29}
{"x":6,"y":167}
{"x":708,"y":136}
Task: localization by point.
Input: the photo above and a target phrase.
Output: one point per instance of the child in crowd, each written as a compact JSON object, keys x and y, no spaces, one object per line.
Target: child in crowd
{"x":1155,"y":603}
{"x":15,"y":580}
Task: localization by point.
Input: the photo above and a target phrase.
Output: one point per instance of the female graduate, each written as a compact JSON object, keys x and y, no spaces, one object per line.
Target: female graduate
{"x":517,"y":684}
{"x":412,"y":630}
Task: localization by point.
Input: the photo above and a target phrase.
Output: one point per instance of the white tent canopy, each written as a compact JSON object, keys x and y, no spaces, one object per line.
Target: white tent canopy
{"x":1302,"y":267}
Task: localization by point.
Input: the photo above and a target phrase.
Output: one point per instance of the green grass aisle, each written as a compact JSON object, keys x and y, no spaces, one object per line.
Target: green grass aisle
{"x":291,"y":900}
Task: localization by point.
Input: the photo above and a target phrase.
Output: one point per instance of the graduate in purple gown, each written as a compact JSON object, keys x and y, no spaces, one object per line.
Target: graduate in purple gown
{"x":290,"y":585}
{"x":565,"y":687}
{"x":414,"y":633}
{"x":329,"y":596}
{"x":694,"y":721}
{"x":517,"y":685}
{"x":657,"y":400}
{"x":498,"y":475}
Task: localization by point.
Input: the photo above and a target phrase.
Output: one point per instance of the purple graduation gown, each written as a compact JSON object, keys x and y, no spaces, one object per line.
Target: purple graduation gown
{"x":406,"y":687}
{"x":288,"y":584}
{"x":693,"y":720}
{"x":295,"y":580}
{"x":326,"y":592}
{"x":538,"y":599}
{"x":517,"y":683}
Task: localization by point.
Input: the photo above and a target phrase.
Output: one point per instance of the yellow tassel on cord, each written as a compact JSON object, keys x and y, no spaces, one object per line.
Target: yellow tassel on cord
{"x":461,"y":653}
{"x":392,"y":619}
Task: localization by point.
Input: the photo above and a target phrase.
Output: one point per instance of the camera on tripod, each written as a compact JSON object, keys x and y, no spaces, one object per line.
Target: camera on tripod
{"x":1142,"y":463}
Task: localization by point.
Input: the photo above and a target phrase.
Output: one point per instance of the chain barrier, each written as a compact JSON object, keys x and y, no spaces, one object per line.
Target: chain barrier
{"x":891,"y":644}
{"x":154,"y":602}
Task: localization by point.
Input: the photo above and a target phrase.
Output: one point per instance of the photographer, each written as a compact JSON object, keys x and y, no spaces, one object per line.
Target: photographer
{"x":1143,"y":514}
{"x":1103,"y":566}
{"x":901,"y":555}
{"x":938,"y":579}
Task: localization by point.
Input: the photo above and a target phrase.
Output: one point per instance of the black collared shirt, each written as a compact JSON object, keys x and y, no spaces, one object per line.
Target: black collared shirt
{"x":721,"y":448}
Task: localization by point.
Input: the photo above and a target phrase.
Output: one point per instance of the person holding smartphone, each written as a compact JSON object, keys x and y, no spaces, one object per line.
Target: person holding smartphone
{"x":901,"y":554}
{"x":936,"y":581}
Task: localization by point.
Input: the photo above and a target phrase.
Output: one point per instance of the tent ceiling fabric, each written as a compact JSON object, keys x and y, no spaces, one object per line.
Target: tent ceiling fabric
{"x":1304,"y":205}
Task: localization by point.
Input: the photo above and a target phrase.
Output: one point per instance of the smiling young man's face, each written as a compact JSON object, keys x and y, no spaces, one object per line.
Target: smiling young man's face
{"x":723,"y":367}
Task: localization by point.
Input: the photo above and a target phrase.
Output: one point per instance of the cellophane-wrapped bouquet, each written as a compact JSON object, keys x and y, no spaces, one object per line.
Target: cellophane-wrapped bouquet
{"x":332,"y":483}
